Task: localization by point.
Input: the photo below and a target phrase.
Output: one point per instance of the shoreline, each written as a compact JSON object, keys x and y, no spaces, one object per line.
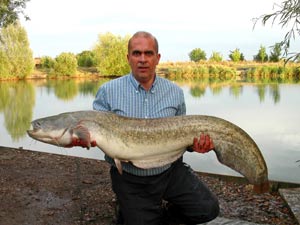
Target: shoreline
{"x":45,"y":188}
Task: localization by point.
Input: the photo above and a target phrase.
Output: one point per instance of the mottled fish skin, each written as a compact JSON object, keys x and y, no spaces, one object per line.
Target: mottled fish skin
{"x":149,"y":143}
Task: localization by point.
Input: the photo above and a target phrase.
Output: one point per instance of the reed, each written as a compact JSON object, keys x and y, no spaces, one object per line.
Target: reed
{"x":227,"y":70}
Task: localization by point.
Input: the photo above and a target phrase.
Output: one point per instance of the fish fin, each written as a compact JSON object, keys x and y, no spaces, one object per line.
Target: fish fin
{"x":119,"y":165}
{"x":158,"y":161}
{"x":83,"y":135}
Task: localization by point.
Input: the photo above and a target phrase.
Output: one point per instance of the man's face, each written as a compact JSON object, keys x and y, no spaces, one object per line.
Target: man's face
{"x":143,"y":58}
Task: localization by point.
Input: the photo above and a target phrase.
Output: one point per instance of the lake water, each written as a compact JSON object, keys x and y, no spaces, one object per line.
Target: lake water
{"x":269,"y":113}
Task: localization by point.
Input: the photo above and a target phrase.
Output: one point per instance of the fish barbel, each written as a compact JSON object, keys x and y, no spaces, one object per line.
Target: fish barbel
{"x":149,"y":143}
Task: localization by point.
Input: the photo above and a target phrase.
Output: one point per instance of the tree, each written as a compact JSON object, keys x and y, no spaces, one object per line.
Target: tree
{"x":262,"y":55}
{"x":47,"y":62}
{"x":236,"y":55}
{"x":288,"y":13}
{"x":86,"y":59}
{"x":4,"y":65}
{"x":197,"y":54}
{"x":275,"y":53}
{"x":65,"y":64}
{"x":216,"y":57}
{"x":110,"y":54}
{"x":10,"y":10}
{"x":16,"y":55}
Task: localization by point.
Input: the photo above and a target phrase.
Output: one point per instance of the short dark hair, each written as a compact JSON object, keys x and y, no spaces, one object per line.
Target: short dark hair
{"x":146,"y":35}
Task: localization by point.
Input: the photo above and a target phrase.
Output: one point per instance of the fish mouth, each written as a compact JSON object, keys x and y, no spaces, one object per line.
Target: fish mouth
{"x":57,"y":137}
{"x":32,"y":130}
{"x":35,"y":134}
{"x":30,"y":133}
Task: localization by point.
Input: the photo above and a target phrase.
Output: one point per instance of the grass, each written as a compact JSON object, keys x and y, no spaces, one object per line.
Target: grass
{"x":227,"y":70}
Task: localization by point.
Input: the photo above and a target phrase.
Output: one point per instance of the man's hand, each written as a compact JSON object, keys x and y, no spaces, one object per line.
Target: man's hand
{"x":204,"y":144}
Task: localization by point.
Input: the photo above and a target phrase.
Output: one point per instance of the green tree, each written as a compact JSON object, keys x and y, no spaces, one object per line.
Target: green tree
{"x":16,"y":55}
{"x":47,"y":62}
{"x":216,"y":57}
{"x":197,"y":54}
{"x":262,"y":55}
{"x":236,"y":55}
{"x":110,"y":54}
{"x":288,"y":13}
{"x":86,"y":59}
{"x":4,"y":64}
{"x":65,"y":64}
{"x":10,"y":10}
{"x":275,"y":53}
{"x":242,"y":57}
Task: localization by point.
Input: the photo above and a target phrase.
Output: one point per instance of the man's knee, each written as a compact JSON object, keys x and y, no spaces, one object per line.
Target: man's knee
{"x":202,"y":213}
{"x":212,"y":210}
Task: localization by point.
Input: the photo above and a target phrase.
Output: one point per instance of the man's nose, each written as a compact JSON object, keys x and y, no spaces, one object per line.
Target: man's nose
{"x":142,"y":57}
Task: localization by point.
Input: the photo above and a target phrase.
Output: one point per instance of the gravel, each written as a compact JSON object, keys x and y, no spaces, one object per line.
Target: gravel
{"x":40,"y":188}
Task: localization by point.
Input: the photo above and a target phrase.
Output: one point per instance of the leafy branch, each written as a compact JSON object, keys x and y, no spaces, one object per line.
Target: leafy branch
{"x":10,"y":10}
{"x":288,"y":13}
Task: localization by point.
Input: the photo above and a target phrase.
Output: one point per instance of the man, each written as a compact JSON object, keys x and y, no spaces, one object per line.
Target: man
{"x":140,"y":192}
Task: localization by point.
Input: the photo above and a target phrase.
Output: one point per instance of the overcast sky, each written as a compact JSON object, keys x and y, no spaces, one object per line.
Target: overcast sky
{"x":58,"y":26}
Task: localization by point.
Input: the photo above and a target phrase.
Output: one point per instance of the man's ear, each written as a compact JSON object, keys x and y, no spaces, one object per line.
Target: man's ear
{"x":158,"y":58}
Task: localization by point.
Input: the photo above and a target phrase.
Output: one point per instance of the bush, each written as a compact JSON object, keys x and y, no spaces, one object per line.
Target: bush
{"x":261,"y":56}
{"x":236,"y":55}
{"x":216,"y":57}
{"x":110,"y":54}
{"x":16,"y":55}
{"x":86,"y":59}
{"x":197,"y":54}
{"x":65,"y":64}
{"x":47,"y":62}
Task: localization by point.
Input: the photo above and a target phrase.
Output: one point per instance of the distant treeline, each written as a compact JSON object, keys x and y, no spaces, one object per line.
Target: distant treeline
{"x":108,"y":57}
{"x":247,"y":71}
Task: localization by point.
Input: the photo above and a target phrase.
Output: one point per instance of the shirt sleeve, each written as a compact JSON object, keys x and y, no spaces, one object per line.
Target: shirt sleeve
{"x":181,"y":107}
{"x":100,"y":103}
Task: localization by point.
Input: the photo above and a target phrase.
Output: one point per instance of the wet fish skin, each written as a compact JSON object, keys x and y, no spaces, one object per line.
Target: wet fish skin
{"x":149,"y":143}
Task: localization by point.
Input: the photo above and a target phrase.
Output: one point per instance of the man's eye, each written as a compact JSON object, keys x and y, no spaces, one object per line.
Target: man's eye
{"x":136,"y":53}
{"x":149,"y":53}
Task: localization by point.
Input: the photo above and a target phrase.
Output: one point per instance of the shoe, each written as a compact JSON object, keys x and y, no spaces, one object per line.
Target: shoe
{"x":118,"y":220}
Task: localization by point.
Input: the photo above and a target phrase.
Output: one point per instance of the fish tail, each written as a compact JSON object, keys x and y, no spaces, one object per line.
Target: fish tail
{"x":261,"y":188}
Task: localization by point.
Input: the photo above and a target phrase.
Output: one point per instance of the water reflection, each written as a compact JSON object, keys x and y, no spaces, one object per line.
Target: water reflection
{"x":17,"y":99}
{"x":198,"y":89}
{"x":66,"y":90}
{"x":261,"y":90}
{"x":16,"y":102}
{"x":274,"y":89}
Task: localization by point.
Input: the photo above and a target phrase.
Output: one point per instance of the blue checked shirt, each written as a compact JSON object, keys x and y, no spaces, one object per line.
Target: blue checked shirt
{"x":126,"y":97}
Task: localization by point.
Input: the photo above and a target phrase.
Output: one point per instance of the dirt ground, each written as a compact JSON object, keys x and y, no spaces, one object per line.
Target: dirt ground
{"x":40,"y":189}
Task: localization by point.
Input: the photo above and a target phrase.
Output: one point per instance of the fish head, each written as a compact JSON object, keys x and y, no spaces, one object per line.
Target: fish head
{"x":55,"y":130}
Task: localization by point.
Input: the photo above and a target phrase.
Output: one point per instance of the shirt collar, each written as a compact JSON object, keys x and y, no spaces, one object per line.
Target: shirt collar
{"x":138,"y":86}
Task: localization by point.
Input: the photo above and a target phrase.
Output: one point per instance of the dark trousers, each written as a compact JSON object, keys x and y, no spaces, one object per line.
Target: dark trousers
{"x":140,"y":198}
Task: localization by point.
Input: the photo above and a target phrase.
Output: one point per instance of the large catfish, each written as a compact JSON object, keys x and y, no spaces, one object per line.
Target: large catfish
{"x":149,"y":143}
